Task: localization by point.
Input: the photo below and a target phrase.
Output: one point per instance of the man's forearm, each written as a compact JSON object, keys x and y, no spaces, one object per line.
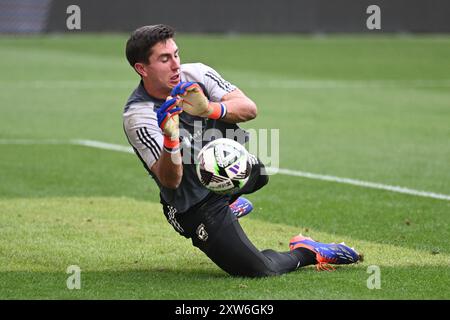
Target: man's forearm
{"x":239,"y":110}
{"x":239,"y":107}
{"x":169,"y":169}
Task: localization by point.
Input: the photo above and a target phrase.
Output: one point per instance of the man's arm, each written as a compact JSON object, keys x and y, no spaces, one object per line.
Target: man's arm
{"x":169,"y":169}
{"x":240,"y":108}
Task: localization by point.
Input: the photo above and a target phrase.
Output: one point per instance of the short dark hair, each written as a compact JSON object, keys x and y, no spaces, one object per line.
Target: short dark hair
{"x":140,"y":44}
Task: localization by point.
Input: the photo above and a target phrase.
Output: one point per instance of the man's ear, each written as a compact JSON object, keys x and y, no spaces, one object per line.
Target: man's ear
{"x":140,"y":68}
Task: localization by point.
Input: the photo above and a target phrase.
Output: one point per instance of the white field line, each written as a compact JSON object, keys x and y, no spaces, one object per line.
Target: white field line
{"x":288,"y":172}
{"x":32,"y":141}
{"x":272,"y":83}
{"x":102,"y":145}
{"x":360,"y":183}
{"x":347,"y":84}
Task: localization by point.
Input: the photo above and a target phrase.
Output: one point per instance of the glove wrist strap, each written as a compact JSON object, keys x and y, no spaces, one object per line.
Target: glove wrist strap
{"x":218,"y":111}
{"x":171,"y":145}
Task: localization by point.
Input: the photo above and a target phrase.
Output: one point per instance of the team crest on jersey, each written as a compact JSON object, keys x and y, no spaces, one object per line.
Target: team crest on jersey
{"x":201,"y":232}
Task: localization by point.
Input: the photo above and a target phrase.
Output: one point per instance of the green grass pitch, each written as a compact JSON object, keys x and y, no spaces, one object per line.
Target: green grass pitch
{"x":370,"y":108}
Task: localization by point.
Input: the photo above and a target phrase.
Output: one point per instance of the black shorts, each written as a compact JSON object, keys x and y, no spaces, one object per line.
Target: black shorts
{"x":203,"y":221}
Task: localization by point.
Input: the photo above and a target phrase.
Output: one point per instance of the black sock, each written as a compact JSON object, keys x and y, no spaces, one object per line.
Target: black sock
{"x":306,"y":257}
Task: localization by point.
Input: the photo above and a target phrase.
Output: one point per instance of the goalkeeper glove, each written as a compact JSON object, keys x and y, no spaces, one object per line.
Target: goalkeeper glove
{"x":168,"y":121}
{"x":194,"y":101}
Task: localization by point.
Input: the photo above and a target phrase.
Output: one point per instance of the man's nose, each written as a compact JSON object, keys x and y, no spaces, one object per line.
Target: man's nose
{"x":175,"y":63}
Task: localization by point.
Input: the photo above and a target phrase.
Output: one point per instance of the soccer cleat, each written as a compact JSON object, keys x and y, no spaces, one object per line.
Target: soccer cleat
{"x":326,"y":254}
{"x":241,"y":207}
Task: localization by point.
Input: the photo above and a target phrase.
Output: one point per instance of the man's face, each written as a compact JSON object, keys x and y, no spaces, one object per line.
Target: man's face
{"x":162,"y":73}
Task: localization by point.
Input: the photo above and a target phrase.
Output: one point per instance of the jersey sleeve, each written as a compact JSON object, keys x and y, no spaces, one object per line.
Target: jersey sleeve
{"x":216,"y":86}
{"x":143,"y":132}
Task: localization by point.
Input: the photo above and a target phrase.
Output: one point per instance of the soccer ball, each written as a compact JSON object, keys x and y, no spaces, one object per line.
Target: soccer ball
{"x":223,"y":166}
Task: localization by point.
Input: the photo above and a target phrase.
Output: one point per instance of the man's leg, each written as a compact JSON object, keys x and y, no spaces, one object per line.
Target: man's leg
{"x":233,"y":252}
{"x":215,"y":230}
{"x":219,"y":235}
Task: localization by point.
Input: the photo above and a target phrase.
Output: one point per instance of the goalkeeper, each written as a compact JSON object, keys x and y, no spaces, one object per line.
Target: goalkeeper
{"x":165,"y":115}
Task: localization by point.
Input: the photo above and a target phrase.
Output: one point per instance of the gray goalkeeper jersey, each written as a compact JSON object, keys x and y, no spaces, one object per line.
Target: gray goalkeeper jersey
{"x":143,"y":133}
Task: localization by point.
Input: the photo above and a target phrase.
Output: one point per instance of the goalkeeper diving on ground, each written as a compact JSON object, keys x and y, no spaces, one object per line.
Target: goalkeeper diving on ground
{"x":162,"y":117}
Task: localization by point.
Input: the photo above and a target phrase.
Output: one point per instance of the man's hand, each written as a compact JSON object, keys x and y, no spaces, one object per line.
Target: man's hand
{"x":194,"y":101}
{"x":168,"y":120}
